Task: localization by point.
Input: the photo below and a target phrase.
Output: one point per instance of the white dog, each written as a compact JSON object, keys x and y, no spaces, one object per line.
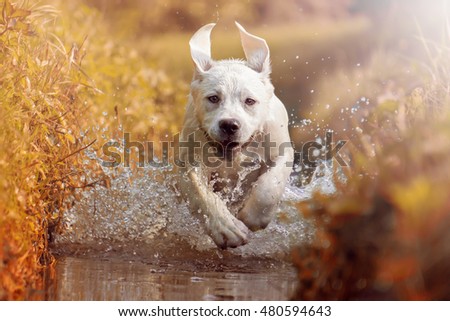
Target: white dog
{"x":235,"y":146}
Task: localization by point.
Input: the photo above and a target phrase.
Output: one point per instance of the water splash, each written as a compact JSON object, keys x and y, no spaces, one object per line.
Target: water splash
{"x":142,"y":214}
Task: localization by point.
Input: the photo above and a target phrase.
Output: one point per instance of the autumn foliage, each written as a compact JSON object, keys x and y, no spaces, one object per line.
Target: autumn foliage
{"x":63,"y":94}
{"x":40,"y":163}
{"x":385,"y":233}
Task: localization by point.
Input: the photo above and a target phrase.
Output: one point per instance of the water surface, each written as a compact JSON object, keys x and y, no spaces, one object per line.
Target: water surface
{"x":116,"y":279}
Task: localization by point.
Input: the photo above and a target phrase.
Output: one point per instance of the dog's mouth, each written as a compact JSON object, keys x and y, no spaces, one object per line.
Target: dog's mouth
{"x":226,"y":148}
{"x":230,"y":145}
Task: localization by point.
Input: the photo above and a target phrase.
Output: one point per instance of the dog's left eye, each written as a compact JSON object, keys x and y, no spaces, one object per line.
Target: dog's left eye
{"x":250,"y":101}
{"x":214,"y":99}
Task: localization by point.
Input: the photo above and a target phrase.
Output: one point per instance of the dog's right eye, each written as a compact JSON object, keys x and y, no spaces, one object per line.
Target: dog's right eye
{"x":214,"y":99}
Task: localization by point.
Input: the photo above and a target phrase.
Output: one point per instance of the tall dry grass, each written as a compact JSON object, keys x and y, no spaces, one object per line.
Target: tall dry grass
{"x":40,"y":163}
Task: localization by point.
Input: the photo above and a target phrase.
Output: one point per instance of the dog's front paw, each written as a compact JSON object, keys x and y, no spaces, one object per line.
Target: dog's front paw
{"x":255,"y":218}
{"x":228,"y":231}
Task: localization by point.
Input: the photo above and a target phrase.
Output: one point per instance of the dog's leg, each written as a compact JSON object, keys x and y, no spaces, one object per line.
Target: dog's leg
{"x":221,"y":225}
{"x":258,"y":209}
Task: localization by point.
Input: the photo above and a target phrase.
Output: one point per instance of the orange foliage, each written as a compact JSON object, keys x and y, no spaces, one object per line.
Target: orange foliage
{"x":385,"y":233}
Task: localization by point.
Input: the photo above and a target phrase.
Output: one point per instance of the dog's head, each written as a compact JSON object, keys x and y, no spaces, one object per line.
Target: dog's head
{"x":231,"y":97}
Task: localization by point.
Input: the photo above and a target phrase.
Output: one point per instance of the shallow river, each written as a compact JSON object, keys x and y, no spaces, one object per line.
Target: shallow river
{"x":117,"y":279}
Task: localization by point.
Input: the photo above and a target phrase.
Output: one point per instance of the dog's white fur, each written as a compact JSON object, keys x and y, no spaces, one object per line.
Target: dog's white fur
{"x":231,"y":198}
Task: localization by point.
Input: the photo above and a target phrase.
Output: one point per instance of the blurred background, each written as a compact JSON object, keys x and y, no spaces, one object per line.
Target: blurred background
{"x":325,"y":55}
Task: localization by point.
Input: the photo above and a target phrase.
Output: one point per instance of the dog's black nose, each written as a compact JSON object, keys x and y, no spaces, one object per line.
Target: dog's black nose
{"x":229,"y":126}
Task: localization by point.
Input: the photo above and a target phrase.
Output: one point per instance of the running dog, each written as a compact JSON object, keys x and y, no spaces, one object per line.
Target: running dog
{"x":235,"y":149}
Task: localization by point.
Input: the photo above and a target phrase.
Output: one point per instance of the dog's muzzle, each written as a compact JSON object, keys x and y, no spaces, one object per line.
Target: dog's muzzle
{"x":229,"y":127}
{"x":227,"y":148}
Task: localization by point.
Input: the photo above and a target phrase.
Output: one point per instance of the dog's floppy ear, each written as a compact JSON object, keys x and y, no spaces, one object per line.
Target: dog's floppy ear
{"x":256,"y":51}
{"x":200,"y":45}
